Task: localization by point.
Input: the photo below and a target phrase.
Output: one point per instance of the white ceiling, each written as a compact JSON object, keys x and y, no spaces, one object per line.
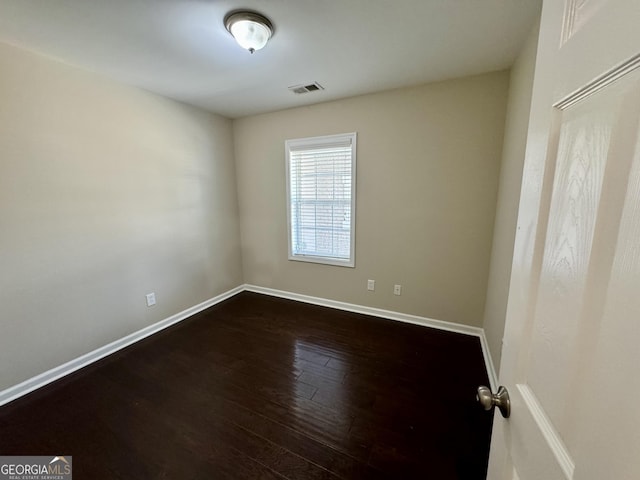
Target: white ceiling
{"x":180,"y":48}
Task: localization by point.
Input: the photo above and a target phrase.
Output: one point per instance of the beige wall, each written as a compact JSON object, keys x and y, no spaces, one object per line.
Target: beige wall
{"x":427,"y":178}
{"x":515,"y":136}
{"x":106,"y":193}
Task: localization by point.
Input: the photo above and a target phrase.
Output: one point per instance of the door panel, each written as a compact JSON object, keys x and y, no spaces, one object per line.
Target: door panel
{"x":607,"y":427}
{"x":585,"y":132}
{"x":572,"y":318}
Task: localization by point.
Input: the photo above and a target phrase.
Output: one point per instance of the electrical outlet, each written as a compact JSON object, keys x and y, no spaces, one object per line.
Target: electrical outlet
{"x":151,"y":299}
{"x":371,"y":285}
{"x":397,"y":289}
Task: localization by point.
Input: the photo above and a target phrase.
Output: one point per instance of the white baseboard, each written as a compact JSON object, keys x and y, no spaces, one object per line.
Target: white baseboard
{"x":60,"y":371}
{"x":16,"y":391}
{"x":400,"y":317}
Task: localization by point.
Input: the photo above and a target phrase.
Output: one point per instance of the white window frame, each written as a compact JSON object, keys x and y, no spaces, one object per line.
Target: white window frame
{"x":315,"y":142}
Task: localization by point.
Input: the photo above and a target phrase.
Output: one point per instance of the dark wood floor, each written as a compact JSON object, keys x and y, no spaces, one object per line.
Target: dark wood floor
{"x":265,"y":388}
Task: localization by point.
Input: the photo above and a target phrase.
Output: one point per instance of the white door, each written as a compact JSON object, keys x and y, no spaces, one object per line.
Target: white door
{"x":571,"y":351}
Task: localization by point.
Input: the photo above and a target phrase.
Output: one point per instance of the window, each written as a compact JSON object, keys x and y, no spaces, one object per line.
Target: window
{"x":321,"y":196}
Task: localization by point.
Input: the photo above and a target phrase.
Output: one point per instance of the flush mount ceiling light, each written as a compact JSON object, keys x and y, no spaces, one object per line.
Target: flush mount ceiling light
{"x":251,"y":30}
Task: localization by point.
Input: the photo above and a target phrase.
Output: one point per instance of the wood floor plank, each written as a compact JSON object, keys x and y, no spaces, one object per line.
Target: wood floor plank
{"x":332,"y":459}
{"x":325,"y":425}
{"x":267,"y":388}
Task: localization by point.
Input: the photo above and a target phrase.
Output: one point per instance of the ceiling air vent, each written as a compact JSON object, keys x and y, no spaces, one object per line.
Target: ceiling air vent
{"x":312,"y":87}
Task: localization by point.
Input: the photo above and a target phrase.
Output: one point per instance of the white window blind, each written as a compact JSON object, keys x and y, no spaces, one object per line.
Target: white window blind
{"x":321,"y":199}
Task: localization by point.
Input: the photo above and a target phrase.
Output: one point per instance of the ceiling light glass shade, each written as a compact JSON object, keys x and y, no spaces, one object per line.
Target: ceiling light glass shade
{"x":251,"y":30}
